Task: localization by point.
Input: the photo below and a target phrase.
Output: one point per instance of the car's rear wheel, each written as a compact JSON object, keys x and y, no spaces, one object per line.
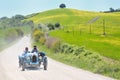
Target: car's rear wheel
{"x":45,"y":62}
{"x":45,"y":68}
{"x":23,"y":67}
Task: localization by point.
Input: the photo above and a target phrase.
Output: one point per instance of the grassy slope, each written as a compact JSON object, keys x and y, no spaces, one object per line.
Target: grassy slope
{"x":75,"y":21}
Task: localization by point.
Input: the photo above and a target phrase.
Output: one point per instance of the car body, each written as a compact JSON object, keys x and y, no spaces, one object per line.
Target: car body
{"x":32,"y":60}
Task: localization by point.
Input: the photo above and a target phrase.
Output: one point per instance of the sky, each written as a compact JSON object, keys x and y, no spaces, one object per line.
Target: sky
{"x":10,"y":8}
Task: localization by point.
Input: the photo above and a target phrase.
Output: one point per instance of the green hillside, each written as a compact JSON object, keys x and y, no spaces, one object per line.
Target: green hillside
{"x":76,"y":29}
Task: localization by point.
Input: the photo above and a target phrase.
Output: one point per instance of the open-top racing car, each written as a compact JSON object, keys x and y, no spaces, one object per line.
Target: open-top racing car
{"x":33,"y":60}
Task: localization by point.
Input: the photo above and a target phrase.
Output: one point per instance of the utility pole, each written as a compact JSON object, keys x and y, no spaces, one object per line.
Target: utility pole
{"x":92,"y":21}
{"x":104,"y":28}
{"x":90,"y":28}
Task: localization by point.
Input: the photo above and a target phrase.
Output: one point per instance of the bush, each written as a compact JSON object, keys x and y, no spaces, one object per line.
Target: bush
{"x":87,"y":53}
{"x":66,"y":48}
{"x":40,"y":26}
{"x":51,"y":26}
{"x":63,"y":47}
{"x":20,"y":33}
{"x":37,"y":34}
{"x":42,"y":40}
{"x":57,"y":25}
{"x":56,"y":46}
{"x":78,"y":50}
{"x":69,"y":49}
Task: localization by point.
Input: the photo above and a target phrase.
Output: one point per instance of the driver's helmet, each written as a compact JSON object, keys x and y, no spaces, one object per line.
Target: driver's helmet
{"x":26,"y":48}
{"x":35,"y":46}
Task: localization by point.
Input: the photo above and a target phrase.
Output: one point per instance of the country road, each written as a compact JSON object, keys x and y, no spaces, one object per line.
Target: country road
{"x":9,"y":69}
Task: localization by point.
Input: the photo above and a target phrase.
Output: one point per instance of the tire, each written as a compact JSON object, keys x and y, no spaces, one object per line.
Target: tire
{"x":45,"y":67}
{"x":19,"y":64}
{"x":23,"y":67}
{"x":45,"y":62}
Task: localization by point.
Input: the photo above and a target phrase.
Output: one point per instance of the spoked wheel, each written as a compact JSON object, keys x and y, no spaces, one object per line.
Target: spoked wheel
{"x":45,"y":67}
{"x":45,"y":63}
{"x":39,"y":63}
{"x":23,"y":67}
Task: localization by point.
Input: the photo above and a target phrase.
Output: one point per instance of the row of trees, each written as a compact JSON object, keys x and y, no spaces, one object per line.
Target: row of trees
{"x":15,"y":21}
{"x":49,"y":26}
{"x":112,"y":10}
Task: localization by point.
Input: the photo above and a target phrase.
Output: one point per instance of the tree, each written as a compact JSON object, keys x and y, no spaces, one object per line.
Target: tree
{"x":40,"y":26}
{"x":30,"y":23}
{"x":117,"y":10}
{"x":3,"y":18}
{"x":20,"y":33}
{"x":57,"y":25}
{"x":4,"y":21}
{"x":19,"y":17}
{"x":112,"y":10}
{"x":62,"y":5}
{"x":50,"y":26}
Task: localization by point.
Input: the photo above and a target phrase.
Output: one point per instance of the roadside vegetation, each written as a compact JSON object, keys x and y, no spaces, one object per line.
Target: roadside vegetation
{"x":77,"y":56}
{"x":80,"y":40}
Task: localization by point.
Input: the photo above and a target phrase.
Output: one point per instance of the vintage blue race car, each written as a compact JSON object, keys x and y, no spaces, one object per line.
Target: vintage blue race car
{"x":32,"y":60}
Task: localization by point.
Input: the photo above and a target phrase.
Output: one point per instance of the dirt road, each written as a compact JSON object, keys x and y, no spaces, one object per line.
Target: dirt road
{"x":9,"y":69}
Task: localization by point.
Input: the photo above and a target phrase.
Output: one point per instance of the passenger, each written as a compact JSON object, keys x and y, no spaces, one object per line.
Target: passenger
{"x":35,"y":49}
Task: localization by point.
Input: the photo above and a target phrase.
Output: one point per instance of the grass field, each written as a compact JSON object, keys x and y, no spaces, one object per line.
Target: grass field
{"x":107,"y":46}
{"x":76,"y":29}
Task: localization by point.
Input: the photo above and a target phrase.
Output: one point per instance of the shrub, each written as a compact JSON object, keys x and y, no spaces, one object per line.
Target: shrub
{"x":87,"y":53}
{"x":63,"y":47}
{"x":51,"y":26}
{"x":42,"y":40}
{"x":56,"y":46}
{"x":20,"y":33}
{"x":78,"y":50}
{"x":40,"y":26}
{"x":37,"y":34}
{"x":69,"y":49}
{"x":66,"y":48}
{"x":57,"y":25}
{"x":50,"y":41}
